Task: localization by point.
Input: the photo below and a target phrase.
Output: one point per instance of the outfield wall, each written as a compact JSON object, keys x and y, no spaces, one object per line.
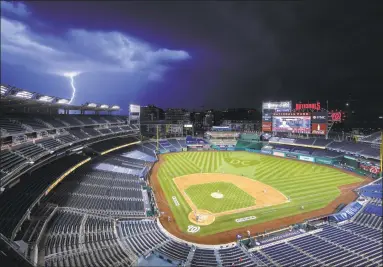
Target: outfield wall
{"x":334,"y":162}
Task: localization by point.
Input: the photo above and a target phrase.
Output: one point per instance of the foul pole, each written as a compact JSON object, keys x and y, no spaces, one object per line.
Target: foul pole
{"x":381,"y":155}
{"x":157,"y":139}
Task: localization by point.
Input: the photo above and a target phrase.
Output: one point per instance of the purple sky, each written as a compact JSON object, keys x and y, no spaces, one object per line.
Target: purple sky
{"x":193,"y":54}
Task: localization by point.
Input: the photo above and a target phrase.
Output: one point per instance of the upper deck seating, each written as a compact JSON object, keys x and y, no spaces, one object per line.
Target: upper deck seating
{"x":30,"y":121}
{"x":16,"y":201}
{"x":30,"y":150}
{"x":9,"y":160}
{"x":49,"y":143}
{"x":10,"y":126}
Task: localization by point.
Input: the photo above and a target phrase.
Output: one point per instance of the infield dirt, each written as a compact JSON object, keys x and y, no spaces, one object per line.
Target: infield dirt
{"x":346,"y":196}
{"x":265,"y":195}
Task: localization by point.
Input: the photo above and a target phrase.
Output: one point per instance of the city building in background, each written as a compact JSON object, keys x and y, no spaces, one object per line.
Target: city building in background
{"x":151,"y":113}
{"x":134,"y":114}
{"x":177,"y":115}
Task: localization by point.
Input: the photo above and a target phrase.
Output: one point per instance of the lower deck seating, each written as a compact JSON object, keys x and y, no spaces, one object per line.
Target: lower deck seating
{"x":204,"y":257}
{"x":174,"y":250}
{"x":141,"y":236}
{"x":234,"y":256}
{"x":369,"y":220}
{"x":286,"y":255}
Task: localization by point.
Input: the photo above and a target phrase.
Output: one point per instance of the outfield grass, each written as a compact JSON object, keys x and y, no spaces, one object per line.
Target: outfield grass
{"x":233,"y":197}
{"x":308,"y":185}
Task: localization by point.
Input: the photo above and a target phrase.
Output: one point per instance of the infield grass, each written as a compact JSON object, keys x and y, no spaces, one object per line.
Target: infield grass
{"x":309,"y":185}
{"x":233,"y":197}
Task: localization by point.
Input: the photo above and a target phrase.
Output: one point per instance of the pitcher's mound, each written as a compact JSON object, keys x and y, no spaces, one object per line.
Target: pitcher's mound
{"x":201,"y":217}
{"x":217,"y":195}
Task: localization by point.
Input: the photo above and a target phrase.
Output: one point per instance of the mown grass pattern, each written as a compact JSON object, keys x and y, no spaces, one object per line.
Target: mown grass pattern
{"x":308,"y":185}
{"x":233,"y":197}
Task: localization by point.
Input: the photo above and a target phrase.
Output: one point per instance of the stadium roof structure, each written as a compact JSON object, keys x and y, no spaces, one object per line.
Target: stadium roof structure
{"x":13,"y":97}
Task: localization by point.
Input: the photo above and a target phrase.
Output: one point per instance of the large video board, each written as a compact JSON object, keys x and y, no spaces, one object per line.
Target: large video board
{"x":269,"y":108}
{"x":292,"y":124}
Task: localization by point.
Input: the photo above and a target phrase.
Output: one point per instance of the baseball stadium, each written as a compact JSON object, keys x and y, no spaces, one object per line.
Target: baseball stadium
{"x":94,"y":189}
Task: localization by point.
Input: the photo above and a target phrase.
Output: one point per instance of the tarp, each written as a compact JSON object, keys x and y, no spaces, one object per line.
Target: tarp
{"x":373,"y":209}
{"x":373,"y":188}
{"x":372,"y":194}
{"x":373,"y":191}
{"x":347,"y":213}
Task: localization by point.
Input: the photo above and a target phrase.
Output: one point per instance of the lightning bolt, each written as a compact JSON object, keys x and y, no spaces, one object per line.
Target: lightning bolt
{"x":73,"y":88}
{"x":71,"y":76}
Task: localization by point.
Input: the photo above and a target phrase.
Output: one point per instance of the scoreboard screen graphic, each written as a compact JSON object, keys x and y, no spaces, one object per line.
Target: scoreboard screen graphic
{"x":319,"y":128}
{"x":266,"y":126}
{"x":269,"y":108}
{"x":292,"y":124}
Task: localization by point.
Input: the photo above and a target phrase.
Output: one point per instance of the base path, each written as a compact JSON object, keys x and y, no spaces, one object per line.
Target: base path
{"x":264,"y":195}
{"x":347,"y":195}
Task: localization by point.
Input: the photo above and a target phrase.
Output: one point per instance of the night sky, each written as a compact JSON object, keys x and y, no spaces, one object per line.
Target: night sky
{"x":193,"y":54}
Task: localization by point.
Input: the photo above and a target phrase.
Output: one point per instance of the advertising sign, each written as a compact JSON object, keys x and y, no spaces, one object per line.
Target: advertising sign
{"x":300,"y":106}
{"x":324,"y":161}
{"x":319,"y":117}
{"x":267,"y":114}
{"x":336,"y":116}
{"x":281,"y":106}
{"x":292,"y":156}
{"x":319,"y":128}
{"x":293,"y":124}
{"x":279,"y":154}
{"x":370,"y":168}
{"x":266,"y":126}
{"x":305,"y":158}
{"x":348,"y":212}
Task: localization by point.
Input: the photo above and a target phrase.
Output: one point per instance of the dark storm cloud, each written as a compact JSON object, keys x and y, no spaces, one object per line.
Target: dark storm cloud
{"x":244,"y":52}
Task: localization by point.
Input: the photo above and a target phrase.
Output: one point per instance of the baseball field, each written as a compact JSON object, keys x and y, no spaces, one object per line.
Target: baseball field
{"x":211,"y":192}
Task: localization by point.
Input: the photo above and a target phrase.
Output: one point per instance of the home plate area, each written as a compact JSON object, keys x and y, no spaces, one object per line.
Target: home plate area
{"x":201,"y":217}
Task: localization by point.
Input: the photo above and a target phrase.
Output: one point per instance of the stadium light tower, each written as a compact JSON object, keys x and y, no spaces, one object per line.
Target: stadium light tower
{"x":71,"y":76}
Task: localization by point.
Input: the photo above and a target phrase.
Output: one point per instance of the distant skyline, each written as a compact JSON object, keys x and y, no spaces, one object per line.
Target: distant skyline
{"x":193,"y":54}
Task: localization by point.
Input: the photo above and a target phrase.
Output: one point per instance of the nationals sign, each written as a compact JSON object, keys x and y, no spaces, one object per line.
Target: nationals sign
{"x":315,"y":106}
